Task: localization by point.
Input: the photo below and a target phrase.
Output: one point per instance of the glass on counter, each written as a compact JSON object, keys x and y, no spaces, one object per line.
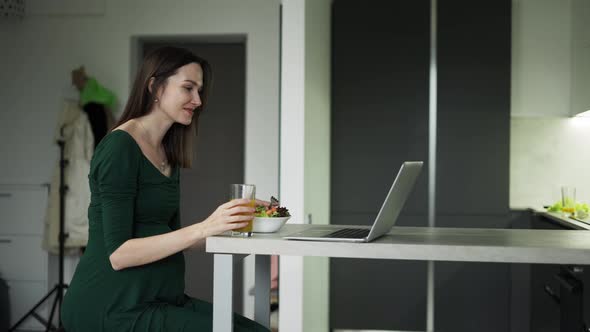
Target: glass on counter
{"x":568,"y":200}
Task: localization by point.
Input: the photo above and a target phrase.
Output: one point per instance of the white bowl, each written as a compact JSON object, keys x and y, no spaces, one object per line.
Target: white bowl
{"x":268,"y":224}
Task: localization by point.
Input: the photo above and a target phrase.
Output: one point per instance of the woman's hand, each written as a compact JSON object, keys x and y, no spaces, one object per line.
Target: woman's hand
{"x":231,"y":215}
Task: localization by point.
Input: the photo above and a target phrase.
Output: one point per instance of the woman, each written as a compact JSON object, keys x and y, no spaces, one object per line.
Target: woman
{"x":131,"y":276}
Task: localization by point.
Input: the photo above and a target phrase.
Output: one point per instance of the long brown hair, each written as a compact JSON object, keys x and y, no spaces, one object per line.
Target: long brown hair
{"x":160,"y":64}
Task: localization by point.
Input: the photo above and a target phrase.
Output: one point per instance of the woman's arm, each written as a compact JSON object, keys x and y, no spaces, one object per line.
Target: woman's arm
{"x":141,"y":251}
{"x":199,"y":245}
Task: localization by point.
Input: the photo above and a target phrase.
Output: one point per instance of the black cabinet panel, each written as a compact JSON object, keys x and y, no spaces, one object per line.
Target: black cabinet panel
{"x":474,"y":40}
{"x":379,"y":99}
{"x":380,"y":56}
{"x":378,"y":294}
{"x":543,"y":309}
{"x":361,"y":186}
{"x":473,"y":164}
{"x":472,"y":297}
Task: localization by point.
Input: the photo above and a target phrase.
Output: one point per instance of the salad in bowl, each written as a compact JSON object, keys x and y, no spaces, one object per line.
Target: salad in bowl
{"x":269,"y":219}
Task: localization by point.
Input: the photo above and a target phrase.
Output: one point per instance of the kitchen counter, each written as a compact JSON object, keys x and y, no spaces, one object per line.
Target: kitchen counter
{"x":563,"y":221}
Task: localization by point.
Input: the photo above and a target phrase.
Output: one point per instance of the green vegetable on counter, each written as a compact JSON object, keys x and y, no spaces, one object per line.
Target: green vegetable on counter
{"x":581,"y":209}
{"x":555,"y":207}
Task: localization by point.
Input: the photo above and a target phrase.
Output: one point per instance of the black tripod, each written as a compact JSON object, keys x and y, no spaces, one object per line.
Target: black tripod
{"x":59,"y":288}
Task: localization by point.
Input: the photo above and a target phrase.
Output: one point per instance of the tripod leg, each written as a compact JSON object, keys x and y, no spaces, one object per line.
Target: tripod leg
{"x":20,"y":321}
{"x":60,"y":293}
{"x":50,"y":326}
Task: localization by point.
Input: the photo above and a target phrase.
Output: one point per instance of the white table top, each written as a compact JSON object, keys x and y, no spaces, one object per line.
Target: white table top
{"x":423,"y":243}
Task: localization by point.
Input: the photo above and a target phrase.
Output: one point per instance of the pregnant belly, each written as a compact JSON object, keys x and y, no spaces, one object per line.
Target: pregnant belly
{"x":162,"y":280}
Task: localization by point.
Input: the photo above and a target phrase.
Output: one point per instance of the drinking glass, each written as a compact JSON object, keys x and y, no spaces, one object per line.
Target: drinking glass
{"x":239,"y":191}
{"x":568,"y":200}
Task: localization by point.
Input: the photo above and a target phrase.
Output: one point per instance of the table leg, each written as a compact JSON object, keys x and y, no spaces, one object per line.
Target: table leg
{"x":262,"y":290}
{"x":223,"y":293}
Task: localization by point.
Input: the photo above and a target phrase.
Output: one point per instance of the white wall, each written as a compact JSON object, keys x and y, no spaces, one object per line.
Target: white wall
{"x":545,"y":154}
{"x":38,"y":53}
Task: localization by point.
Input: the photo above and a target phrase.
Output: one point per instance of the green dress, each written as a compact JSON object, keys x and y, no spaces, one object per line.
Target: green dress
{"x":130,"y":198}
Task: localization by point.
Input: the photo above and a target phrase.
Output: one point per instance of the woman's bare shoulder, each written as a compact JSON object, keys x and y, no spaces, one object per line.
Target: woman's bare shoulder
{"x":130,"y":127}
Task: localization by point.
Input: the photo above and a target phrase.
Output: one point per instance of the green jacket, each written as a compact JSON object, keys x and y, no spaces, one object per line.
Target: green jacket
{"x":94,"y":92}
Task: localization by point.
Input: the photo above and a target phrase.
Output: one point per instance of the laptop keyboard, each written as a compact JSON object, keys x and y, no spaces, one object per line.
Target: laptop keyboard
{"x":350,"y":233}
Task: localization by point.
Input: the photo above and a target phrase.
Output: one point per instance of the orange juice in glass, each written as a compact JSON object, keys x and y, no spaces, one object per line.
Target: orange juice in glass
{"x":248,"y":191}
{"x":568,"y":200}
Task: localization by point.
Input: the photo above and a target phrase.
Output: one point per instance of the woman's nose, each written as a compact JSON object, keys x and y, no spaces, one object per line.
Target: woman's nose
{"x":196,"y":100}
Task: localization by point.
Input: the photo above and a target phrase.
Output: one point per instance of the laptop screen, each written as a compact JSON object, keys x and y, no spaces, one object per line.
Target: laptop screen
{"x":396,"y":198}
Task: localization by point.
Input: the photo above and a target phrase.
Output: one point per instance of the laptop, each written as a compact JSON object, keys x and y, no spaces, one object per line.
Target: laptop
{"x":394,"y":202}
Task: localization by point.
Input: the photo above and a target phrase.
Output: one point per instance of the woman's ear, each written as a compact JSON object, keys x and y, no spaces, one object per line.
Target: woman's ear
{"x":150,"y":84}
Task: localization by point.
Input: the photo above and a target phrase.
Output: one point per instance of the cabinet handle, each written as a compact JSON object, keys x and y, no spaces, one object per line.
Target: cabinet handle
{"x":5,"y":195}
{"x":5,"y":240}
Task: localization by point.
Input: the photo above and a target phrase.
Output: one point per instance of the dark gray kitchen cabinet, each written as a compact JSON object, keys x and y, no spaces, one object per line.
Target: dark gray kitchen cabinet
{"x":380,"y":65}
{"x":473,"y":154}
{"x":379,"y":119}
